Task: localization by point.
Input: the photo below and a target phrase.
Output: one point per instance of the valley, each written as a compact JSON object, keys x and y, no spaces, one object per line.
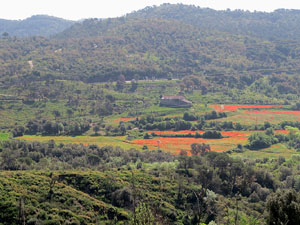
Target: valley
{"x":172,"y":114}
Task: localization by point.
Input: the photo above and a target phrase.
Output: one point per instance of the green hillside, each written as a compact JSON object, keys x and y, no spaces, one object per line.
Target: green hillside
{"x":147,"y":48}
{"x":39,"y":25}
{"x":282,"y":24}
{"x":165,"y":41}
{"x":72,"y":184}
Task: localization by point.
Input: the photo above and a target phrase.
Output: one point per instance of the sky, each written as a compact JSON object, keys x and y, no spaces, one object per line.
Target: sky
{"x":80,"y":9}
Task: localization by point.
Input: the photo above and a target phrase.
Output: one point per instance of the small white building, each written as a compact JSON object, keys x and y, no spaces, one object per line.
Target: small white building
{"x":175,"y":102}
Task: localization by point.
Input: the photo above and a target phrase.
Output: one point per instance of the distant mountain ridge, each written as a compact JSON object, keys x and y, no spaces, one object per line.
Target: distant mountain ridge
{"x":39,"y":25}
{"x":282,"y":24}
{"x":161,"y":42}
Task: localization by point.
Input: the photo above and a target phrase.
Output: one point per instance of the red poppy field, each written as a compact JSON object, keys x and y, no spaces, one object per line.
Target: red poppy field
{"x":228,"y":108}
{"x":252,"y":115}
{"x":169,"y":132}
{"x":259,"y":114}
{"x":175,"y":144}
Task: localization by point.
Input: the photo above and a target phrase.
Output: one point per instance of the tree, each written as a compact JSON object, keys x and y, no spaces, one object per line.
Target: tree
{"x":9,"y":160}
{"x":134,"y":85}
{"x":212,"y":134}
{"x":22,"y":215}
{"x":93,"y":159}
{"x":197,"y":135}
{"x":259,"y":140}
{"x":70,"y":113}
{"x":143,"y":215}
{"x":5,"y":34}
{"x":183,"y":152}
{"x":52,"y":182}
{"x":284,"y":208}
{"x":122,"y":198}
{"x":18,"y":131}
{"x":199,"y":149}
{"x":56,"y":114}
{"x":121,"y":82}
{"x":96,"y":129}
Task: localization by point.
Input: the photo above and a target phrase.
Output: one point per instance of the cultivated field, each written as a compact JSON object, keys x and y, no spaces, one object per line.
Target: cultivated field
{"x":257,"y":114}
{"x":174,"y":142}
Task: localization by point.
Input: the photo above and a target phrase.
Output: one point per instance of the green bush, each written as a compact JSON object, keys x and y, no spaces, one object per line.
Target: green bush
{"x":260,"y":140}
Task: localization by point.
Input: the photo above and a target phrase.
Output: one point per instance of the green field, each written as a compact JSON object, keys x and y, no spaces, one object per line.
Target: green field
{"x":271,"y":116}
{"x":4,"y":136}
{"x":85,"y":140}
{"x":172,"y":145}
{"x":272,"y":152}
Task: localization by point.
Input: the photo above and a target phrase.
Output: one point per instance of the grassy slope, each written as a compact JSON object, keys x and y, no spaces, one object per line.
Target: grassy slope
{"x":68,"y":204}
{"x":80,"y":197}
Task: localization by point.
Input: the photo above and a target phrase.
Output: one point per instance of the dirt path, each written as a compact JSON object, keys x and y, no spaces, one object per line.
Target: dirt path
{"x":30,"y":64}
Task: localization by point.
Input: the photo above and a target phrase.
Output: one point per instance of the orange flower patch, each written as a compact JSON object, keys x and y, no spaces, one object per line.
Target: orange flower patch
{"x":124,"y":119}
{"x":172,"y":145}
{"x":234,"y":134}
{"x":175,"y":144}
{"x":169,"y":132}
{"x":224,"y":133}
{"x":274,"y":112}
{"x":169,"y":140}
{"x":180,"y":115}
{"x":227,"y":108}
{"x":282,"y":131}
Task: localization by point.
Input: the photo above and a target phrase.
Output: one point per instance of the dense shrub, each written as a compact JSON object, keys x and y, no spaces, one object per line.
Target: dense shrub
{"x":212,"y":134}
{"x":260,"y":140}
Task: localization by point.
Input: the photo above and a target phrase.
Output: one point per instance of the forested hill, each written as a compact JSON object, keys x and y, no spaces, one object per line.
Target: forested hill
{"x":146,"y":47}
{"x":40,"y":25}
{"x":281,"y":24}
{"x":100,"y":50}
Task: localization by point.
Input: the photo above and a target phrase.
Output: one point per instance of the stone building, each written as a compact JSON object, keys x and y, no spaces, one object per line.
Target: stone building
{"x":175,"y":102}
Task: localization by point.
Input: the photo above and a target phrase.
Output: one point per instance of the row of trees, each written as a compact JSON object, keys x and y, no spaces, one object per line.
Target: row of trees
{"x":207,"y":116}
{"x":48,"y":127}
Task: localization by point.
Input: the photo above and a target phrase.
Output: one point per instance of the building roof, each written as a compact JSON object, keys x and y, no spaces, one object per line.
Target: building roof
{"x":178,"y":97}
{"x":174,"y":97}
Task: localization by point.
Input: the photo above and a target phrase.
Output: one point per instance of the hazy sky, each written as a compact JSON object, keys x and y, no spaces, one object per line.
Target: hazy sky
{"x":79,"y":9}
